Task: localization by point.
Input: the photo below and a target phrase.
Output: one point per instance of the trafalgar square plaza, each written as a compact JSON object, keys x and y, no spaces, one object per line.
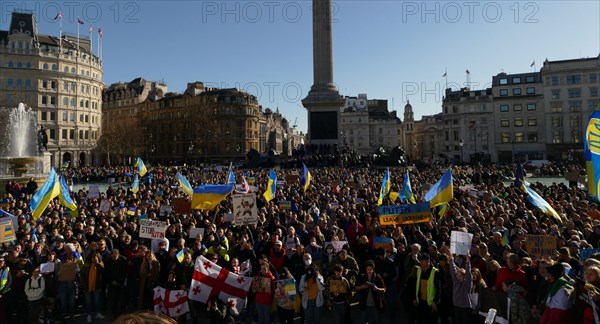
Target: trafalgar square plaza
{"x":267,"y":194}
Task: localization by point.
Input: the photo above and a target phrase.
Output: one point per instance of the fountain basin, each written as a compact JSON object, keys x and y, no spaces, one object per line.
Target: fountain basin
{"x":20,"y":165}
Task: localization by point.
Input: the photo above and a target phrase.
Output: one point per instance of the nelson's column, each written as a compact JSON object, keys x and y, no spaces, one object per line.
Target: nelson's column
{"x":323,"y":101}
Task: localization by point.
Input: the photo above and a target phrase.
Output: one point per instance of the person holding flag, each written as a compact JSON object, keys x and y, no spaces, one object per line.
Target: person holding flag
{"x":306,"y":177}
{"x":406,"y":192}
{"x":385,"y":187}
{"x":442,"y":191}
{"x":269,"y":194}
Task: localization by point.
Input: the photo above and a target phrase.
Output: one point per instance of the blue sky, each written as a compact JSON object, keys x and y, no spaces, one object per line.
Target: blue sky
{"x":395,"y":50}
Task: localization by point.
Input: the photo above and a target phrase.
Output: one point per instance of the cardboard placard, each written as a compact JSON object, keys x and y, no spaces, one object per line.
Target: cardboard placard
{"x":152,"y":229}
{"x":460,"y":242}
{"x":68,"y":271}
{"x":543,"y":245}
{"x":244,"y":209}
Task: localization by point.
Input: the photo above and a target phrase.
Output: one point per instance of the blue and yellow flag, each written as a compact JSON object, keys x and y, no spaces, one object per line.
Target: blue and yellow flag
{"x":208,"y":196}
{"x":385,"y":187}
{"x":65,"y":196}
{"x":66,"y":164}
{"x":306,"y":177}
{"x":519,"y":175}
{"x":180,"y":255}
{"x":540,"y":203}
{"x":185,"y":185}
{"x":591,"y":148}
{"x":406,"y":192}
{"x":135,"y":186}
{"x":442,"y":191}
{"x":139,"y":164}
{"x":231,"y":176}
{"x":41,"y":199}
{"x":271,"y":186}
{"x":505,"y":239}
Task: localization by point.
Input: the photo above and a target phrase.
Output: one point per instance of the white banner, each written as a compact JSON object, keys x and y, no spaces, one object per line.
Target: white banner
{"x":152,"y":229}
{"x":460,"y":242}
{"x":244,"y":209}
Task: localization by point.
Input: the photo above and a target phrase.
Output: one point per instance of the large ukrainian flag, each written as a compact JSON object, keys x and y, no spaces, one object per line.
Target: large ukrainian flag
{"x":406,"y":192}
{"x":442,"y":191}
{"x":208,"y":196}
{"x":385,"y":187}
{"x":41,"y":199}
{"x":142,"y":170}
{"x":271,"y":186}
{"x":591,"y":147}
{"x":65,"y":197}
{"x":185,"y":185}
{"x":306,"y":177}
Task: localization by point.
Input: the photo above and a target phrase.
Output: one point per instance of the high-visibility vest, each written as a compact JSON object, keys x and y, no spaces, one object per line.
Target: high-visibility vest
{"x":430,"y":286}
{"x":4,"y":278}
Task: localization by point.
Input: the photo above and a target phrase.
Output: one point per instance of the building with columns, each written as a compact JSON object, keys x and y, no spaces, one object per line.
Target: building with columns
{"x":61,"y":79}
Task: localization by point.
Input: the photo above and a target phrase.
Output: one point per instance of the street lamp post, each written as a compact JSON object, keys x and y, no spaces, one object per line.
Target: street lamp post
{"x":59,"y":158}
{"x":461,"y":143}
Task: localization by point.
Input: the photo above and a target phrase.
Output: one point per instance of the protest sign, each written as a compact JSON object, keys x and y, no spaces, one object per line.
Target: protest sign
{"x":384,"y":242}
{"x":195,"y":231}
{"x":460,"y":242}
{"x":543,"y":245}
{"x":7,"y":230}
{"x":288,"y":285}
{"x":47,"y":267}
{"x":285,"y":204}
{"x":165,"y":210}
{"x":105,"y":205}
{"x":337,"y":245}
{"x":182,"y":206}
{"x":131,"y":211}
{"x":244,"y":209}
{"x":405,"y":214}
{"x":94,"y":191}
{"x":152,"y":229}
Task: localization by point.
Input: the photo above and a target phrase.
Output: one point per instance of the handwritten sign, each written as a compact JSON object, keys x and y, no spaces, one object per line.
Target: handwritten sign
{"x":152,"y":229}
{"x":244,"y":209}
{"x":165,"y":210}
{"x":94,"y":191}
{"x":460,"y":242}
{"x":543,"y":245}
{"x":105,"y":205}
{"x":47,"y":267}
{"x":405,"y":214}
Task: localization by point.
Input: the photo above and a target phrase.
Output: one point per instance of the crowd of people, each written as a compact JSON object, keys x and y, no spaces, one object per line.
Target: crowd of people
{"x":95,"y":257}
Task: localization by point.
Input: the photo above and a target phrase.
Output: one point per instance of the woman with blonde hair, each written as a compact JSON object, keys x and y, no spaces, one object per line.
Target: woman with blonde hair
{"x":476,"y":287}
{"x":144,"y":318}
{"x":149,"y":272}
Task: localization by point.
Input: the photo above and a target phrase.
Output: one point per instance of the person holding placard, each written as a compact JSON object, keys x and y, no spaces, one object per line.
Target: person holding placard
{"x":461,"y":287}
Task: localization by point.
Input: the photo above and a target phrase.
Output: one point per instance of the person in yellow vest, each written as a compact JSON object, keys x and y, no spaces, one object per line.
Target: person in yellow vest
{"x":5,"y":283}
{"x":428,"y":291}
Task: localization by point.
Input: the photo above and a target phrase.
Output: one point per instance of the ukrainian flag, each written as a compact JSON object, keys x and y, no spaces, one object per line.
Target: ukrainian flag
{"x":385,"y":187}
{"x":406,"y":192}
{"x":41,"y":199}
{"x":135,"y":186}
{"x":142,"y":170}
{"x":442,"y":191}
{"x":208,"y":196}
{"x":540,"y":203}
{"x":65,"y":197}
{"x":271,"y":186}
{"x":519,"y":176}
{"x":306,"y":177}
{"x":591,"y":148}
{"x":180,"y":256}
{"x":185,"y":185}
{"x":505,"y":239}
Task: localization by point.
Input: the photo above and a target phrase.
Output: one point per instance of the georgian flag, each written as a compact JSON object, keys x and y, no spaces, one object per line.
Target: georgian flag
{"x":170,"y":302}
{"x":210,"y":280}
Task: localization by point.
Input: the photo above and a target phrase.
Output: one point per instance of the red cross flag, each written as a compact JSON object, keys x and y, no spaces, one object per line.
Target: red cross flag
{"x":170,"y":302}
{"x":210,"y":280}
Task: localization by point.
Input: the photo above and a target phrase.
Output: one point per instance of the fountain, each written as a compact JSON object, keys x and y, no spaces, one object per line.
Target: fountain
{"x":20,"y":155}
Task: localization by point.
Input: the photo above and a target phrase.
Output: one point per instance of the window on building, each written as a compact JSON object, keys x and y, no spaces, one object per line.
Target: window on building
{"x":66,"y":69}
{"x":557,"y":137}
{"x":516,"y":80}
{"x":81,"y":118}
{"x":10,"y":82}
{"x":555,"y":93}
{"x":530,"y":79}
{"x":65,"y":116}
{"x":516,"y":91}
{"x":53,"y":84}
{"x":592,"y":104}
{"x":574,"y":93}
{"x":55,"y":67}
{"x":52,"y":115}
{"x":72,"y":117}
{"x":531,"y":122}
{"x":73,"y":70}
{"x":52,"y":134}
{"x":555,"y":80}
{"x":80,"y":134}
{"x":73,"y":86}
{"x":71,"y":134}
{"x":503,"y":108}
{"x":505,"y":137}
{"x":44,"y":115}
{"x":575,"y":120}
{"x":44,"y":100}
{"x":503,"y":92}
{"x":594,"y":92}
{"x":65,"y":101}
{"x":556,"y":121}
{"x":44,"y":84}
{"x":64,"y":134}
{"x":72,"y":103}
{"x":518,"y":122}
{"x":28,"y":65}
{"x":531,"y":106}
{"x":593,"y":78}
{"x":576,"y":136}
{"x":574,"y":79}
{"x":504,"y":123}
{"x":81,"y":103}
{"x":530,"y":90}
{"x":503,"y":81}
{"x":52,"y":100}
{"x":575,"y":105}
{"x":532,"y":138}
{"x":45,"y":66}
{"x":519,"y":137}
{"x":87,"y":119}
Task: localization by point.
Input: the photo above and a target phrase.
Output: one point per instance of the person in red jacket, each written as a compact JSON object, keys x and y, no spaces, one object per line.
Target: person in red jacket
{"x":263,"y":286}
{"x":512,"y":272}
{"x":277,"y":256}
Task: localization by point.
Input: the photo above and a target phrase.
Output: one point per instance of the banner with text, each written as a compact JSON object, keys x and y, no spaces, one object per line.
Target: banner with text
{"x":152,"y":229}
{"x":244,"y":209}
{"x":542,"y":245}
{"x":404,"y":214}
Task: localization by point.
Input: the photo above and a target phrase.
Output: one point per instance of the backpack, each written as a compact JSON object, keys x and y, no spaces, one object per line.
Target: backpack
{"x":39,"y":283}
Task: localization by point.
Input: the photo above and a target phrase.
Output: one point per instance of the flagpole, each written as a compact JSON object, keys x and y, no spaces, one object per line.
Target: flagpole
{"x":99,"y":47}
{"x":78,"y":36}
{"x":446,"y":75}
{"x":60,"y":32}
{"x":91,"y":40}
